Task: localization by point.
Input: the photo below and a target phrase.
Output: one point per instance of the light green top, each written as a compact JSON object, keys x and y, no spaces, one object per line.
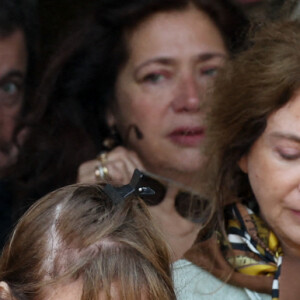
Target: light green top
{"x":193,"y":283}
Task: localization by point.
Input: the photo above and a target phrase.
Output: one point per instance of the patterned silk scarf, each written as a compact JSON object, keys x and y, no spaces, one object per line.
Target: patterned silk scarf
{"x":255,"y":248}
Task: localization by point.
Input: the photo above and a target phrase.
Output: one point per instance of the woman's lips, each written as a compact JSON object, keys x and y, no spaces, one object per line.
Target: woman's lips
{"x":296,"y":213}
{"x":187,"y":136}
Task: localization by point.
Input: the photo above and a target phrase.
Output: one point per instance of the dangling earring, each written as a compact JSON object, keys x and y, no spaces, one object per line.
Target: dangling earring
{"x":113,"y":139}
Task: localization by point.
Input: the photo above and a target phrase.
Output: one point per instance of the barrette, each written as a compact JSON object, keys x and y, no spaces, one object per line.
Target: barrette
{"x":119,"y":194}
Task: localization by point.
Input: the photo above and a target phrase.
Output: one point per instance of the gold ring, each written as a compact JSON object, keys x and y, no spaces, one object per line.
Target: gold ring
{"x":102,"y":157}
{"x":101,"y":173}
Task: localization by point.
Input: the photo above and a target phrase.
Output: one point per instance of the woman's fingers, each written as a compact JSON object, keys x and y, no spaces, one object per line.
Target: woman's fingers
{"x":117,"y":167}
{"x":86,"y":172}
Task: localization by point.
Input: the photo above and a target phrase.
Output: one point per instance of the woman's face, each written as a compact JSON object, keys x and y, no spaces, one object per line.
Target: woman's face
{"x":174,"y":57}
{"x":273,"y":167}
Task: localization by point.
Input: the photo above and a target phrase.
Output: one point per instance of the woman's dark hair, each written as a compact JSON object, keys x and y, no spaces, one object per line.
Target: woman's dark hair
{"x":68,"y":126}
{"x":247,"y":91}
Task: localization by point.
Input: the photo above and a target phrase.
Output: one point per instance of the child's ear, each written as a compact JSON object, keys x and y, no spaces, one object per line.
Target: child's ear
{"x":5,"y":292}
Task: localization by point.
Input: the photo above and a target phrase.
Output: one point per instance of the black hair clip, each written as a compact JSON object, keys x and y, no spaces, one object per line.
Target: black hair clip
{"x":119,"y":194}
{"x":152,"y":191}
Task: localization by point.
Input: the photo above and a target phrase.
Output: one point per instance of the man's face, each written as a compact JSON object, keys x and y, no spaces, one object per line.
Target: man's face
{"x":13,"y":66}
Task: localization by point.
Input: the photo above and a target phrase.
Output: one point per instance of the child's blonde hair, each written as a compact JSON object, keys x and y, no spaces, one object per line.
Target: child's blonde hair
{"x":77,"y":232}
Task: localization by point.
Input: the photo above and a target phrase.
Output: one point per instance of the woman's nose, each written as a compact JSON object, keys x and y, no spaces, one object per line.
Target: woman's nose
{"x":186,"y":98}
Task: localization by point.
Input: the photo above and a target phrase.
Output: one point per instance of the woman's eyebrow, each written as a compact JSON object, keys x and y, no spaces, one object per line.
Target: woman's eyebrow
{"x":12,"y":73}
{"x":207,"y":56}
{"x":160,"y":60}
{"x":169,"y":61}
{"x":286,"y":136}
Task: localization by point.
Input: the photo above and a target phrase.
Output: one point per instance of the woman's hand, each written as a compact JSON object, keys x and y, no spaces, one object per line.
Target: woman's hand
{"x":120,"y":164}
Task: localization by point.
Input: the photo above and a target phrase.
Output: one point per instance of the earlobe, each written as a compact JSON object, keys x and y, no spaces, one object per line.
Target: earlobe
{"x":243,"y":163}
{"x":110,"y":118}
{"x":5,"y":292}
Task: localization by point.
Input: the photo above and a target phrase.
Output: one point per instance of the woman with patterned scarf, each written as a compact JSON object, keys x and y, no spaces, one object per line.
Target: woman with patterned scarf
{"x":251,"y":248}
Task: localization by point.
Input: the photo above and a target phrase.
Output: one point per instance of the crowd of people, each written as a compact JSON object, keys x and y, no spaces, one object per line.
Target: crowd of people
{"x":156,"y":158}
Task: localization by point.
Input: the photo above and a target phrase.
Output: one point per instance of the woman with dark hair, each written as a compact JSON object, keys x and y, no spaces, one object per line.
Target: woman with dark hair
{"x":86,"y":242}
{"x":131,"y":82}
{"x":252,"y":248}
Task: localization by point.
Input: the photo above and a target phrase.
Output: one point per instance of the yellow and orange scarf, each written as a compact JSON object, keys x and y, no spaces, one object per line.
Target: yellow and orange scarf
{"x":255,"y":249}
{"x":250,"y":257}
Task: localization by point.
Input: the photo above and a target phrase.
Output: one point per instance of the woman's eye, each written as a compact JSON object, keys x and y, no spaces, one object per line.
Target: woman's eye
{"x":154,"y":78}
{"x":10,"y":88}
{"x":209,"y":72}
{"x":289,"y":155}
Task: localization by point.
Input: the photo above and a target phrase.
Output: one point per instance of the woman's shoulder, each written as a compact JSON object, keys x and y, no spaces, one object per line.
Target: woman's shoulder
{"x":192,"y":282}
